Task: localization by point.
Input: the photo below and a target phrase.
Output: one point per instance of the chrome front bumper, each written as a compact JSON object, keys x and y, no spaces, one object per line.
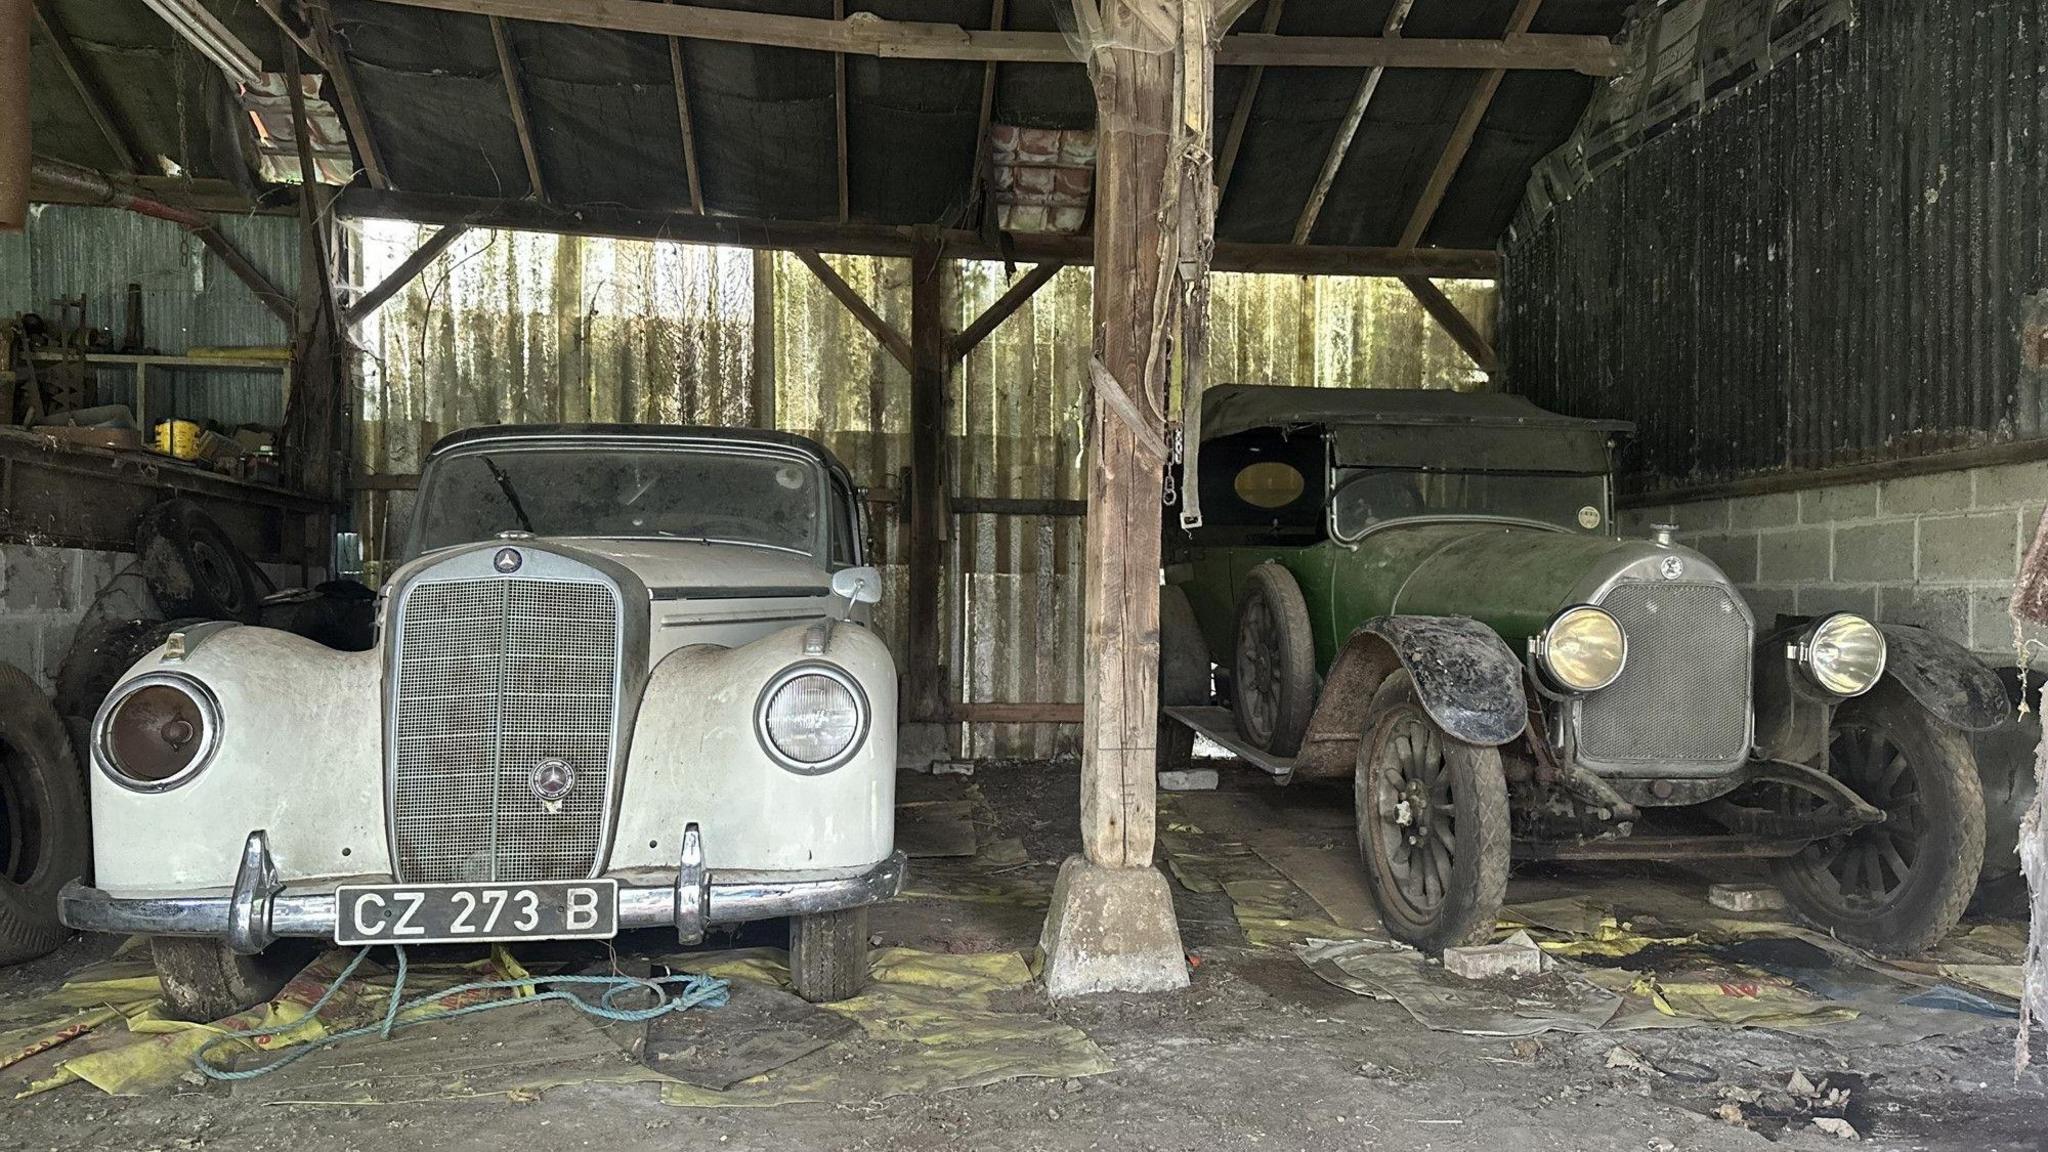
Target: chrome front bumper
{"x":261,"y":909}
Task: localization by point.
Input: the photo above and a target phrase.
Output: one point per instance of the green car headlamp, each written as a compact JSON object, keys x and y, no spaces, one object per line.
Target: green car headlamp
{"x":1582,"y":649}
{"x":1843,"y":654}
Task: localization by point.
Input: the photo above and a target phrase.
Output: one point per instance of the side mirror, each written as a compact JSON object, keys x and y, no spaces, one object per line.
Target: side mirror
{"x":347,"y":562}
{"x":858,"y":585}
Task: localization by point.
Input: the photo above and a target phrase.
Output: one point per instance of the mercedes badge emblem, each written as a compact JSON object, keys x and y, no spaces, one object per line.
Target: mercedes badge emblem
{"x":552,"y":780}
{"x":507,"y":560}
{"x":1671,"y":567}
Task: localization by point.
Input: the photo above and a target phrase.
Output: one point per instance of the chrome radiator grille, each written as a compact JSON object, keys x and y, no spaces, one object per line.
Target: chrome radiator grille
{"x":492,"y":677}
{"x":1683,"y":697}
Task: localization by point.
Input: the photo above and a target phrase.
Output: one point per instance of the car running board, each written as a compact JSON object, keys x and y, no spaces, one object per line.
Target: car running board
{"x":1220,"y":725}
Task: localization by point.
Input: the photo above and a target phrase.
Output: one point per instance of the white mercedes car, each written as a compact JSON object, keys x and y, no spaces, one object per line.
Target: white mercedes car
{"x":625,"y":680}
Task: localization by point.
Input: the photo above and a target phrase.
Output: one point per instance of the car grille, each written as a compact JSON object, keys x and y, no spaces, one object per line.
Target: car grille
{"x":492,"y":677}
{"x":1683,"y":697}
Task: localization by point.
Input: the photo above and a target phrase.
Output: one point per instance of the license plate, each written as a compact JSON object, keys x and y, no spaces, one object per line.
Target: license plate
{"x":455,"y":913}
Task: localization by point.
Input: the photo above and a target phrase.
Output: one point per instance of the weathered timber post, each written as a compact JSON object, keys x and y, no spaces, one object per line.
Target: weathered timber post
{"x":926,"y":678}
{"x":1111,"y":926}
{"x":14,"y":135}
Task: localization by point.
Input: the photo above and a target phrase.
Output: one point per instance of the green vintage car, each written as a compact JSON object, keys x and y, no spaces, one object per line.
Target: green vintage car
{"x":1425,"y":592}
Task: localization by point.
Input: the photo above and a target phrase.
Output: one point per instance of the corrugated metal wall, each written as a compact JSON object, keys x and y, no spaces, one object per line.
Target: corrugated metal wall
{"x":1830,"y":265}
{"x":189,"y":299}
{"x":519,"y":327}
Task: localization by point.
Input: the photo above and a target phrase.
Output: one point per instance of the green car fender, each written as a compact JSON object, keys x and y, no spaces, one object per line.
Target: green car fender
{"x":1467,"y":679}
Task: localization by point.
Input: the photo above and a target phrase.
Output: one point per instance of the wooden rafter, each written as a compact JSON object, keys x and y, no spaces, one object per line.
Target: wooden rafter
{"x":681,"y":78}
{"x":1006,"y":305}
{"x":1454,"y":321}
{"x":333,"y":56}
{"x":1462,"y":135}
{"x":1347,"y":130}
{"x":897,"y":344}
{"x":890,"y":240}
{"x":839,"y":118}
{"x":987,"y":113}
{"x":402,"y":275}
{"x":923,"y":40}
{"x":1241,"y":115}
{"x":515,"y":95}
{"x":68,"y":58}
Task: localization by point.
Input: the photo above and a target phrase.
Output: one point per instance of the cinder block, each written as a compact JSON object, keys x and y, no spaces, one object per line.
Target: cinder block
{"x":1745,"y":897}
{"x":1637,"y":521}
{"x":1821,"y":599}
{"x":95,"y":571}
{"x":1189,"y":780}
{"x":40,"y":579}
{"x":1984,"y":546}
{"x":1991,"y":623}
{"x":1914,"y":495}
{"x":19,"y":640}
{"x":58,"y":632}
{"x":1945,"y":611}
{"x":1767,"y":604}
{"x":1734,"y":553}
{"x":1879,"y":553}
{"x":1514,"y":957}
{"x":1777,"y":510}
{"x":1796,"y":555}
{"x":1844,"y":502}
{"x":2012,"y":485}
{"x":1700,"y":516}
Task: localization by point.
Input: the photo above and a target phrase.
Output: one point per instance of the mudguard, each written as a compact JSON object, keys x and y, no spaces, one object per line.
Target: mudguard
{"x":1945,"y":678}
{"x":1469,"y":681}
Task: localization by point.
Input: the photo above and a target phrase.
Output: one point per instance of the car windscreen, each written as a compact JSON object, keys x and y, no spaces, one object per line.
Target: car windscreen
{"x":670,"y":493}
{"x":1369,"y":496}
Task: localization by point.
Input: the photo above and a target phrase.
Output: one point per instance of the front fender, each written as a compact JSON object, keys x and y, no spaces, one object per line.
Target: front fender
{"x":1954,"y":686}
{"x":1467,"y":678}
{"x":696,"y":758}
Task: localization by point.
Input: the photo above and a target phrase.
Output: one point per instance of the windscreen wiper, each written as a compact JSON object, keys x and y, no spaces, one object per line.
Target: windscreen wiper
{"x":505,"y":486}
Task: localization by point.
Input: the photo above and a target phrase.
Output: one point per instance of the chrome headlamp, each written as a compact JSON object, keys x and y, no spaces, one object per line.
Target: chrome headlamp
{"x":156,"y":731}
{"x":812,"y":718}
{"x":1844,"y":654}
{"x":1582,"y":649}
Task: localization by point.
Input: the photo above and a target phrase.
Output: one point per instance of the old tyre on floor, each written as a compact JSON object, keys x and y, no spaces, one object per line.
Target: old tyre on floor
{"x":1273,"y":678}
{"x":44,"y":841}
{"x":202,"y":981}
{"x":828,"y":954}
{"x":1432,"y":825}
{"x":1898,"y":887}
{"x":193,"y":568}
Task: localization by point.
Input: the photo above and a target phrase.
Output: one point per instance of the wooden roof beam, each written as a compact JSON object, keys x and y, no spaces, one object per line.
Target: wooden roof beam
{"x":985,"y":117}
{"x":118,"y":138}
{"x":515,"y":95}
{"x":333,"y":57}
{"x":923,"y":40}
{"x":839,"y":119}
{"x":896,"y":343}
{"x":689,"y":131}
{"x":1241,"y":114}
{"x":1462,"y":135}
{"x":1348,"y":130}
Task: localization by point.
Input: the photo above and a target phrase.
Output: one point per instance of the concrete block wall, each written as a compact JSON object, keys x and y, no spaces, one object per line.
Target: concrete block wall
{"x":44,"y":593}
{"x":1940,"y":551}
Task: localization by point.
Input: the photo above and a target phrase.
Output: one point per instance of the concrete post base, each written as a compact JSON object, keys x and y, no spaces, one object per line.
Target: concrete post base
{"x":1111,"y":930}
{"x":919,"y":746}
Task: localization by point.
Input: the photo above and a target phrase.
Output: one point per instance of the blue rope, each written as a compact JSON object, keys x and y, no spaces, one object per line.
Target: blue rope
{"x":691,"y":991}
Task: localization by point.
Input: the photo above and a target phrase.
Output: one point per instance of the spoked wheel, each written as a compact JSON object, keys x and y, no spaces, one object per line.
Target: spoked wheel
{"x":1273,"y":678}
{"x":1432,"y":825}
{"x":1896,"y":887}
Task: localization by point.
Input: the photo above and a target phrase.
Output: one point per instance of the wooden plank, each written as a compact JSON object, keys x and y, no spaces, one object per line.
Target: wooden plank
{"x":924,"y":40}
{"x":117,"y":136}
{"x":889,"y":240}
{"x":982,"y":162}
{"x":515,"y":95}
{"x":1333,"y":160}
{"x":1241,"y":115}
{"x":895,"y":342}
{"x":993,"y":712}
{"x":1462,"y":135}
{"x":333,"y":56}
{"x":764,"y":339}
{"x":839,"y":116}
{"x":1455,"y":322}
{"x":402,"y":275}
{"x":680,"y":77}
{"x":1005,"y":306}
{"x":925,"y":687}
{"x":1016,"y":506}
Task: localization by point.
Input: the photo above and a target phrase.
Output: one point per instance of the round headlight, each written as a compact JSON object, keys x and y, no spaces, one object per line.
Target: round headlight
{"x":1844,"y":654}
{"x":812,"y":718}
{"x":1583,"y":649}
{"x":156,"y":731}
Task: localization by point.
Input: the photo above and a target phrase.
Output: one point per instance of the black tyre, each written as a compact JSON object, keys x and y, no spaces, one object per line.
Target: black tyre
{"x":192,"y":567}
{"x":1273,"y":677}
{"x":44,"y":840}
{"x":828,"y":954}
{"x":1432,"y":825}
{"x":1183,"y":676}
{"x":203,"y":981}
{"x":1898,"y":887}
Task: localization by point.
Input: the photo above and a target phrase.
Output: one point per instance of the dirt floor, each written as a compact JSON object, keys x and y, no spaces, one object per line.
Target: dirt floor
{"x":1259,"y":1053}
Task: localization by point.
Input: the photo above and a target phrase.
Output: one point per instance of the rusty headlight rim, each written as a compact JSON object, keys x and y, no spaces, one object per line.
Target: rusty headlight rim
{"x":863,"y":717}
{"x":1824,"y":636}
{"x":209,"y":735}
{"x":1543,"y":647}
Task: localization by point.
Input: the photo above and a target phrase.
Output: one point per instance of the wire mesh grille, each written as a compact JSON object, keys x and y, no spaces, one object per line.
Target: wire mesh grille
{"x":1684,"y":696}
{"x":494,"y":677}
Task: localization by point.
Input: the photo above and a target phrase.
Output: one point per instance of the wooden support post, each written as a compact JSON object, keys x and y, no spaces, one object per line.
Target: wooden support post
{"x":925,"y":680}
{"x":891,"y":339}
{"x":515,"y":95}
{"x":764,"y":340}
{"x":402,"y":275}
{"x":16,"y":155}
{"x":89,"y":94}
{"x":1454,"y":322}
{"x":1005,"y":306}
{"x":680,"y":77}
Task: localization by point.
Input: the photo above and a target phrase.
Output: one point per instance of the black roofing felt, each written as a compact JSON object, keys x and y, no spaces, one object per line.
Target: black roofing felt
{"x":605,"y":125}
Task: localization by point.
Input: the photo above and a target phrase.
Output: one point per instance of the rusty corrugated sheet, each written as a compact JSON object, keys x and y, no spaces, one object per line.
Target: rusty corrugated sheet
{"x":1830,"y":265}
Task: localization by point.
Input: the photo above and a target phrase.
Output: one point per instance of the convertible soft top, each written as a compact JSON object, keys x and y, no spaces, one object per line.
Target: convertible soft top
{"x":1232,"y":408}
{"x":675,"y":433}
